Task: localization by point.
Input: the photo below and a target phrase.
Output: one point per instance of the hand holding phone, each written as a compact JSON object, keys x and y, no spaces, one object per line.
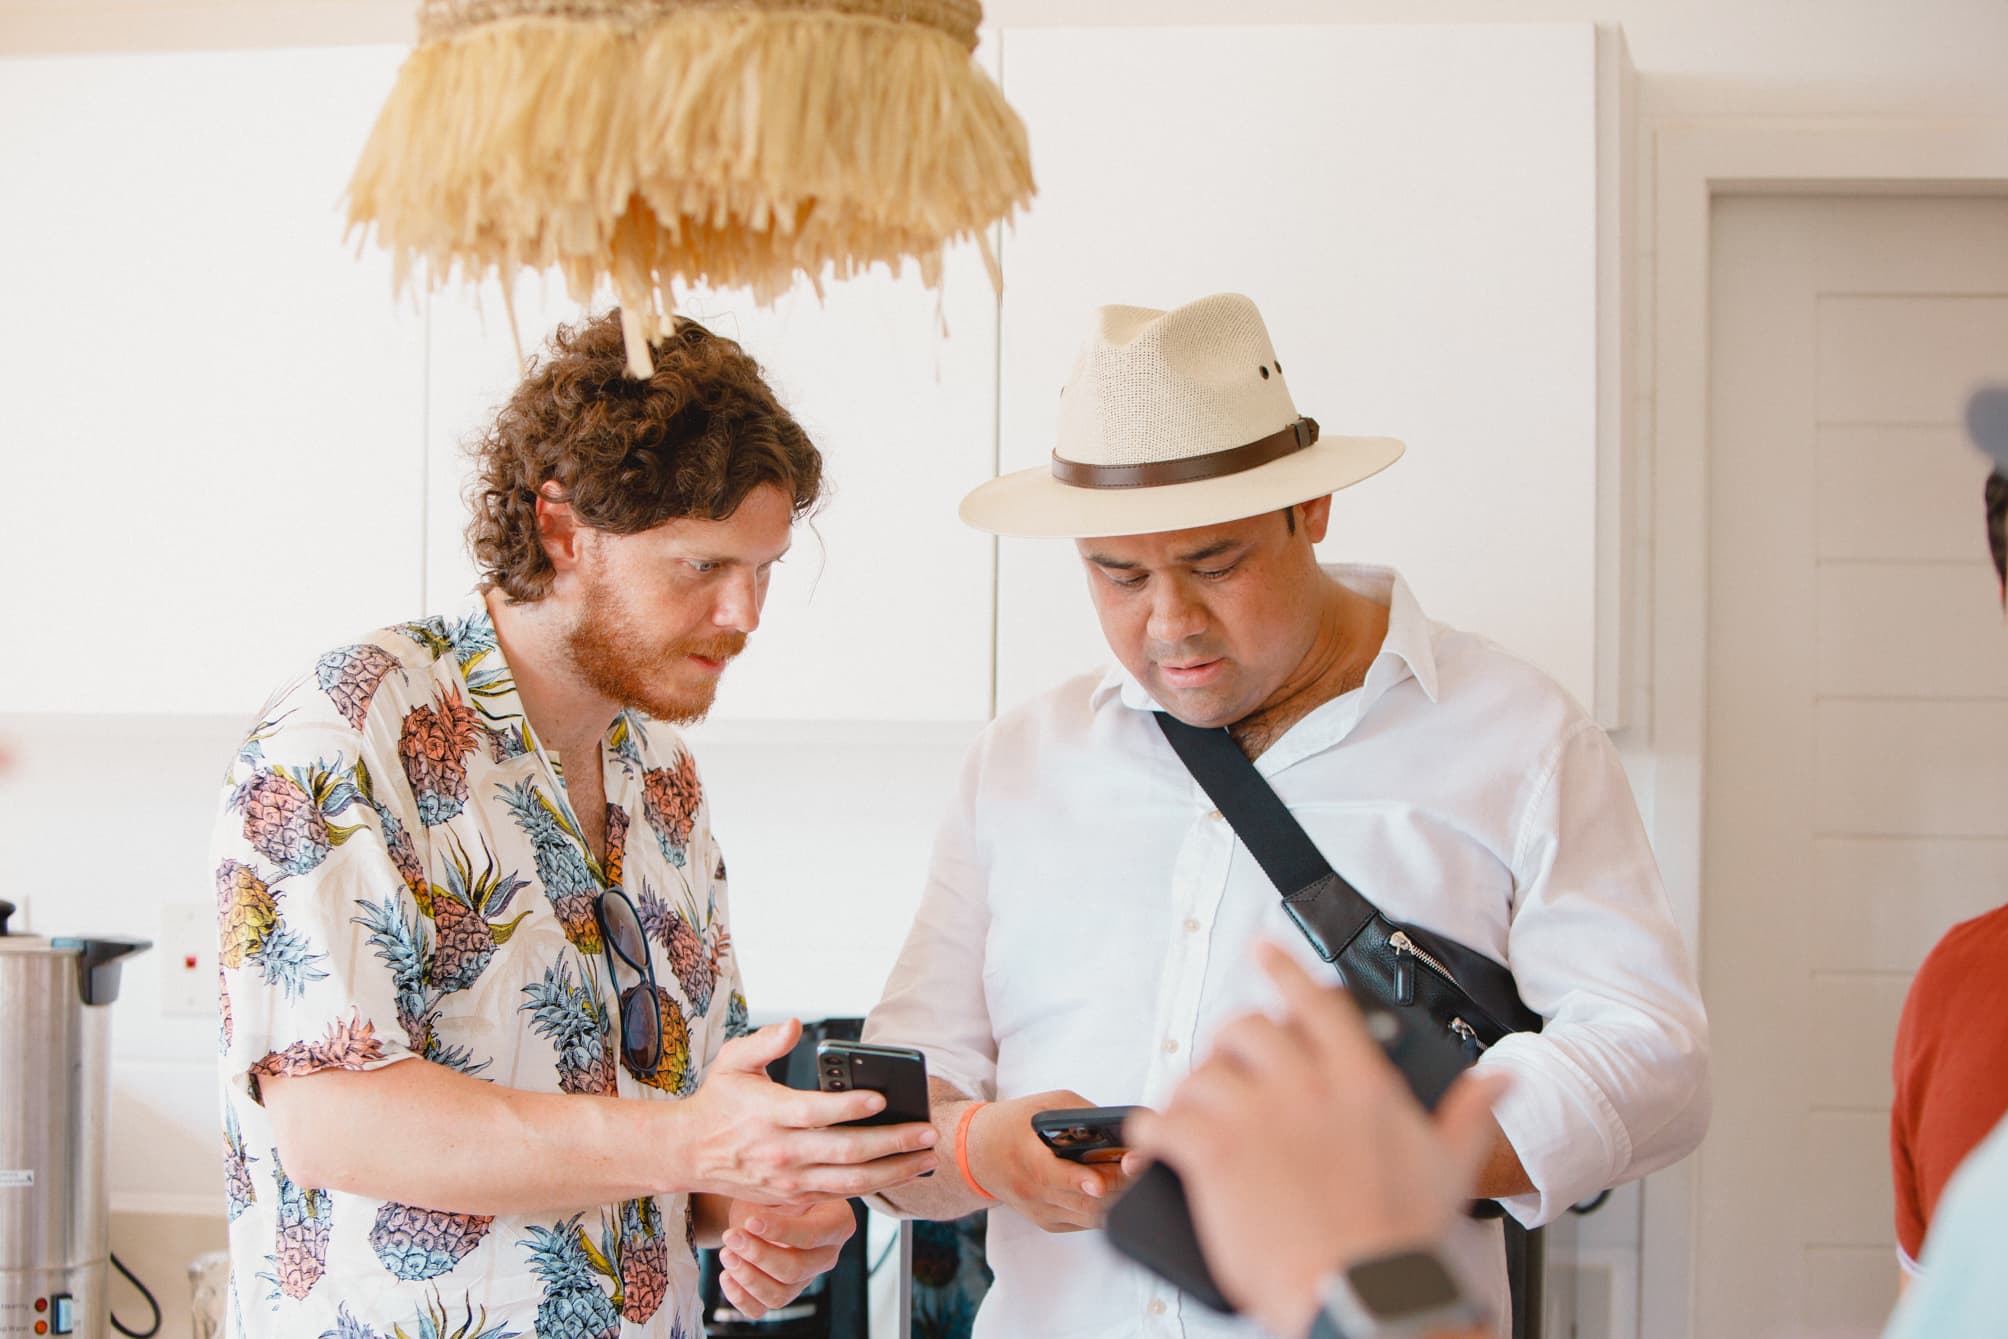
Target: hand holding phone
{"x":898,"y":1073}
{"x":1009,"y":1160}
{"x":1084,"y":1134}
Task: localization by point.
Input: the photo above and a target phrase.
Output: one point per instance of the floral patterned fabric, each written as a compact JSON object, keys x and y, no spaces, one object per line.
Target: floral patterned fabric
{"x":399,"y":873}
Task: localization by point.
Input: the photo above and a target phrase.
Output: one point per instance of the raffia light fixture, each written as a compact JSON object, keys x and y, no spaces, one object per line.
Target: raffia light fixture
{"x":653,"y":144}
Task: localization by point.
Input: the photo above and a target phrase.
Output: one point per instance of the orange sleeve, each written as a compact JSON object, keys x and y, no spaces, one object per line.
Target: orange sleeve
{"x":1904,"y":1065}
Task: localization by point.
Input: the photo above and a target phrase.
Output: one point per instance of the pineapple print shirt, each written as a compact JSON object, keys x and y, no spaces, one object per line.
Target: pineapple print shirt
{"x":399,"y":874}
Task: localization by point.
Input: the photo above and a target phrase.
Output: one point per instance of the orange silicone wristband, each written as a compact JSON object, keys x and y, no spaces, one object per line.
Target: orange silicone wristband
{"x":962,"y":1148}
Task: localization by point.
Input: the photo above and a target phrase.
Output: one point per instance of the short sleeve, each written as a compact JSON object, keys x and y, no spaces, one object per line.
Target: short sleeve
{"x":317,"y":883}
{"x":1911,"y":1219}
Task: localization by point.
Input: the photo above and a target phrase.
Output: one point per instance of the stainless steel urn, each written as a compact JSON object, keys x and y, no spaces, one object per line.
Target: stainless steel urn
{"x":55,"y":1036}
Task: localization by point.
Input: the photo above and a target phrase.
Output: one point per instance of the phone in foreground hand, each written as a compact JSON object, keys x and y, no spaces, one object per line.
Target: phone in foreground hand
{"x":1152,"y":1223}
{"x":899,"y":1073}
{"x":1084,"y":1134}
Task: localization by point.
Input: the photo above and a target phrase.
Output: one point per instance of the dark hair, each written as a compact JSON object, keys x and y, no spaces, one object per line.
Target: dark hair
{"x":691,"y":440}
{"x":1997,"y":522}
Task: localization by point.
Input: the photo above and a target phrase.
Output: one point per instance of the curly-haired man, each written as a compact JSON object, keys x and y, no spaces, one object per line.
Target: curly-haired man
{"x":483,"y":1061}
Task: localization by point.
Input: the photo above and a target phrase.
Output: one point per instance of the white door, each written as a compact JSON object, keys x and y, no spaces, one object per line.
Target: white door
{"x":1857,"y":723}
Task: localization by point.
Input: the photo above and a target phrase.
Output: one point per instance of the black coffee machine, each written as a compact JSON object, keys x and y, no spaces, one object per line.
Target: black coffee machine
{"x":835,"y":1306}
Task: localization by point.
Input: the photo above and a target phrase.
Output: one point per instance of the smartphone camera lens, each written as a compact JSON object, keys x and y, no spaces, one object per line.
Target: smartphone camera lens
{"x":837,"y":1085}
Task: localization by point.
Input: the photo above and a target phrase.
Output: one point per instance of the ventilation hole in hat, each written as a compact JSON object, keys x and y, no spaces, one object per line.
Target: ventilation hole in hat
{"x":1264,"y":371}
{"x":1279,"y":367}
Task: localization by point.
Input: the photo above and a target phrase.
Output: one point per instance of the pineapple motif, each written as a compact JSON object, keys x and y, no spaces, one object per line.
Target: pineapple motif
{"x":559,"y":852}
{"x":226,"y":1023}
{"x":351,"y":675}
{"x":433,"y":745}
{"x":695,"y":957}
{"x":574,"y":1305}
{"x":464,"y":912}
{"x":617,"y":830}
{"x":348,"y":1327}
{"x":305,"y":1217}
{"x":434,"y":1322}
{"x":237,"y":1186}
{"x":249,"y":929}
{"x":625,"y":742}
{"x":670,"y":800}
{"x":473,"y":638}
{"x":738,"y":1023}
{"x":403,"y":854}
{"x":400,"y":943}
{"x":347,"y":1045}
{"x":252,"y":751}
{"x":416,"y":1243}
{"x":643,"y":1256}
{"x":570,"y":1017}
{"x":246,"y":912}
{"x":508,"y":741}
{"x":287,"y":812}
{"x":430,"y":633}
{"x":675,"y":1074}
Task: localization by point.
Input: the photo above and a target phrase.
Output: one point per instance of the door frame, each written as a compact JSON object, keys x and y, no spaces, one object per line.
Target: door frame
{"x":1694,"y":164}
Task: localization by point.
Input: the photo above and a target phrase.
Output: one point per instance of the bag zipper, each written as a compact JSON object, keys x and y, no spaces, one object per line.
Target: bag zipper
{"x":1404,"y":983}
{"x":1404,"y":975}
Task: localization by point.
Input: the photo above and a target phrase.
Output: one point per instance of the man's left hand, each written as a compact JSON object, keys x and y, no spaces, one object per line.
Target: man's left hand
{"x":769,"y":1255}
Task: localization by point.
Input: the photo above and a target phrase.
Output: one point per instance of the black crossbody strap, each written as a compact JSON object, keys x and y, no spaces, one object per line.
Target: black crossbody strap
{"x":1329,"y":910}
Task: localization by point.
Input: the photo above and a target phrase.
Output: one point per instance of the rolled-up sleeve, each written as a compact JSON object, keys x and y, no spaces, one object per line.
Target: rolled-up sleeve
{"x":1616,"y":1085}
{"x":934,"y":998}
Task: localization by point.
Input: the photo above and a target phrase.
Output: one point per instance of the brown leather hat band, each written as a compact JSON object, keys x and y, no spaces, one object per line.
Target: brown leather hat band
{"x":1187,"y":469}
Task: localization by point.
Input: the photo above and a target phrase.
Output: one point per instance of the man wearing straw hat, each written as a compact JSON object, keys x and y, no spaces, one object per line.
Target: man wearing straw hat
{"x":1089,"y":913}
{"x":1287,"y":1245}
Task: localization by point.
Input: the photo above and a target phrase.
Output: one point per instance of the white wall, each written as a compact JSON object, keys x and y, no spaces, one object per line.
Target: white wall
{"x":1697,"y":57}
{"x":1841,"y":59}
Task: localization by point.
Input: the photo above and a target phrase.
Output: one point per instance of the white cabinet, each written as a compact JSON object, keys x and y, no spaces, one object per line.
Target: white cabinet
{"x":209,"y":409}
{"x":1419,"y":213}
{"x":227,"y":446}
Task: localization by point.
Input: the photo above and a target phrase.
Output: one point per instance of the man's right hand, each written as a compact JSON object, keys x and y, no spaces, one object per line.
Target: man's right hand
{"x":1015,"y":1165}
{"x":749,"y":1138}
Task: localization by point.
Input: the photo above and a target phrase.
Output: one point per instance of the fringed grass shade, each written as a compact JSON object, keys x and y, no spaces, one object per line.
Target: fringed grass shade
{"x":653,"y":144}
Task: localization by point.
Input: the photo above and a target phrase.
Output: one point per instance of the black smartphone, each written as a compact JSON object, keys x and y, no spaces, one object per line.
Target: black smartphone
{"x":897,"y":1072}
{"x":1152,"y":1224}
{"x":1083,"y":1134}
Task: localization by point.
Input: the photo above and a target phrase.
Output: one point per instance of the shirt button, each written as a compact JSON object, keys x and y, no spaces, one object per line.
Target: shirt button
{"x":1171,"y":1046}
{"x":1214,"y":815}
{"x":1157,"y":1306}
{"x":1191,"y":926}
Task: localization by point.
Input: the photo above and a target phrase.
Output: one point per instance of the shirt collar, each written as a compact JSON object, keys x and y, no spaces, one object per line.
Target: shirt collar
{"x":1407,"y":652}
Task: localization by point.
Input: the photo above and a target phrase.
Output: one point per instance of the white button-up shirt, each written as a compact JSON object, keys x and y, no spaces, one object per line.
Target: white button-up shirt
{"x":1088,"y":918}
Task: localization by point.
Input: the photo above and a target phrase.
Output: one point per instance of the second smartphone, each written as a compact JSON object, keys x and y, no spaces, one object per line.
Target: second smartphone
{"x":898,"y":1073}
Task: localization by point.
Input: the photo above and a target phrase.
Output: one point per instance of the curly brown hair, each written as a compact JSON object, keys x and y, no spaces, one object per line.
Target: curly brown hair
{"x":692,"y":440}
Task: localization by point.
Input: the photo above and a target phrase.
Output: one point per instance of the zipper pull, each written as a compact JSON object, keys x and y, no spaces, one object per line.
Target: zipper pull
{"x":1468,"y":1035}
{"x":1404,"y":968}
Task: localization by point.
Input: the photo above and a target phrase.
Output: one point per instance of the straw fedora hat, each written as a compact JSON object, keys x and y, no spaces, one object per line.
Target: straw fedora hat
{"x":1170,"y":420}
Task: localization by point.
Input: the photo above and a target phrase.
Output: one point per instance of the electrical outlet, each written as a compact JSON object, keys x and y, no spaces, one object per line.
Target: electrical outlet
{"x":187,"y":961}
